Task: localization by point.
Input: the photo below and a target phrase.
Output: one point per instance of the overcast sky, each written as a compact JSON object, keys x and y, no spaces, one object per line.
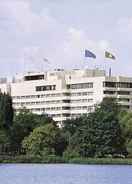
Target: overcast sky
{"x":60,"y":30}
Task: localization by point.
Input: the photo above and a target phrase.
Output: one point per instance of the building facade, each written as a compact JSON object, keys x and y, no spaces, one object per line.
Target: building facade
{"x":67,"y":94}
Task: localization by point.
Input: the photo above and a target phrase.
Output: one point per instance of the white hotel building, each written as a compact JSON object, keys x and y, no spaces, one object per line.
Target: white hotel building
{"x":67,"y":94}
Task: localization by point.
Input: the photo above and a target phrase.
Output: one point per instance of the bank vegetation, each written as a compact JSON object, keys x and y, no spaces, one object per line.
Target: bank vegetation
{"x":103,"y":136}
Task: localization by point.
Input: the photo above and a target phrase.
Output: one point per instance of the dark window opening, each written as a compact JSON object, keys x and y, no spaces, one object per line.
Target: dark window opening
{"x":117,"y":84}
{"x":80,"y":86}
{"x":45,"y":88}
{"x":123,"y":92}
{"x":33,"y":77}
{"x":109,"y":92}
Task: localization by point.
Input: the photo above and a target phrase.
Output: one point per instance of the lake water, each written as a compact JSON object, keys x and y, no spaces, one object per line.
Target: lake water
{"x":64,"y":174}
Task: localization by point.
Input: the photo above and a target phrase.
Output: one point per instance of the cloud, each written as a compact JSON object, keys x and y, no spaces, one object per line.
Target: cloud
{"x":28,"y":36}
{"x":22,"y":29}
{"x":25,"y":20}
{"x":70,"y":54}
{"x":79,"y":39}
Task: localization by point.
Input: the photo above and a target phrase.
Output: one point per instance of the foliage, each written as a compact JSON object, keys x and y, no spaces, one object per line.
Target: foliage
{"x":6,"y":121}
{"x":6,"y":111}
{"x":99,"y":133}
{"x":108,"y":161}
{"x":24,"y":123}
{"x":126,"y":125}
{"x":43,"y":141}
{"x":3,"y":137}
{"x":106,"y":132}
{"x":32,"y":159}
{"x":70,"y":153}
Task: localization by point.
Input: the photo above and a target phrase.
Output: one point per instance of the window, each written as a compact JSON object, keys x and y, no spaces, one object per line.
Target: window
{"x":65,"y":115}
{"x":80,"y":86}
{"x":109,"y":92}
{"x":124,"y":85}
{"x":65,"y":101}
{"x":76,"y":108}
{"x":82,"y":94}
{"x":65,"y":108}
{"x":81,"y":100}
{"x":109,"y":84}
{"x":90,"y":108}
{"x":117,"y":84}
{"x":123,"y":92}
{"x":46,"y":88}
{"x":123,"y":100}
{"x":34,"y":77}
{"x":66,"y":94}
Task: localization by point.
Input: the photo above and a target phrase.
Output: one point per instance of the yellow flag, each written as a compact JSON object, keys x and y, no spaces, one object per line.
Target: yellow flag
{"x":109,"y":55}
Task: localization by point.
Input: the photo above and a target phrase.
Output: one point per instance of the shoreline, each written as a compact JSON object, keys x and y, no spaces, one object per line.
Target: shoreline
{"x":61,"y":160}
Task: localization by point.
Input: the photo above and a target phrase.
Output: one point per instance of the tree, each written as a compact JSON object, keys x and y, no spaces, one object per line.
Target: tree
{"x":6,"y":121}
{"x":6,"y":111}
{"x":126,"y":125}
{"x":99,"y":134}
{"x":44,"y":140}
{"x":24,"y":123}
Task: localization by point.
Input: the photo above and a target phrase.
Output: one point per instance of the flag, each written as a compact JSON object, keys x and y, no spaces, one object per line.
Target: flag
{"x":89,"y":54}
{"x":109,"y":55}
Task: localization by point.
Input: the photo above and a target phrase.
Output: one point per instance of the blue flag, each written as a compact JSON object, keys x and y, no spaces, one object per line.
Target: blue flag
{"x":89,"y":54}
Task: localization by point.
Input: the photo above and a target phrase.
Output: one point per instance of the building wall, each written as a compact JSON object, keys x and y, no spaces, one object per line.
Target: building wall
{"x":67,"y":94}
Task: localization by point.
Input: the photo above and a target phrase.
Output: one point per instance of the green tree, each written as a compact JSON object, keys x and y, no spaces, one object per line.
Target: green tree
{"x":99,"y":133}
{"x":24,"y":123}
{"x":6,"y":111}
{"x":44,"y":140}
{"x":126,"y":125}
{"x":6,"y":121}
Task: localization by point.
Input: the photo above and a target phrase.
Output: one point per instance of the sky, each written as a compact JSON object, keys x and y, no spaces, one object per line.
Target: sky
{"x":60,"y":31}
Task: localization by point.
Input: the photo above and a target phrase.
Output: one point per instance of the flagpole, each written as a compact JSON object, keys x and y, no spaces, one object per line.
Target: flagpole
{"x":109,"y":56}
{"x":110,"y":72}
